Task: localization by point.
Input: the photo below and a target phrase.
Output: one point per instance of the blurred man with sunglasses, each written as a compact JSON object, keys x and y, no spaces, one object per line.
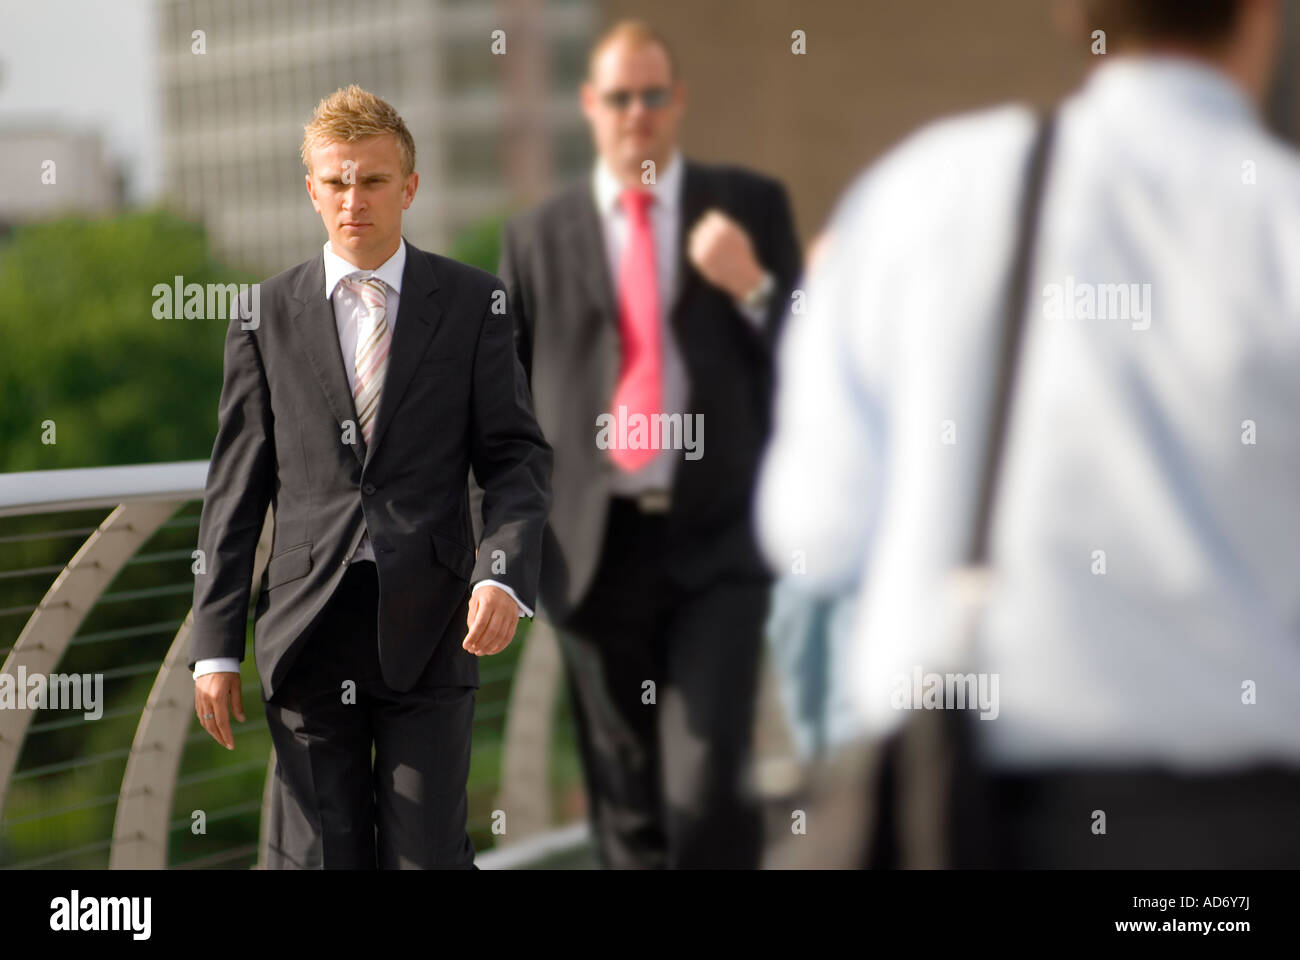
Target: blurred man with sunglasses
{"x":646,"y":300}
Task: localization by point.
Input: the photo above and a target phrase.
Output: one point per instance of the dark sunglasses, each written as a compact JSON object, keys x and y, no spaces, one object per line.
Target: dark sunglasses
{"x":652,"y":98}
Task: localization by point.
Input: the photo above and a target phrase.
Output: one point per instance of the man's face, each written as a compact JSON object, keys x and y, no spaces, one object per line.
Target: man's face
{"x":360,"y":193}
{"x":633,"y":105}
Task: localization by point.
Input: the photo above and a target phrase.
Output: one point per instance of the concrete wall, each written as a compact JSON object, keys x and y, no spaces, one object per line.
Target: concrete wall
{"x":874,"y":70}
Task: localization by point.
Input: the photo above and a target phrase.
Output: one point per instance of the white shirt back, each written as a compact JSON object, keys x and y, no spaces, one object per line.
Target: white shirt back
{"x":1145,"y":547}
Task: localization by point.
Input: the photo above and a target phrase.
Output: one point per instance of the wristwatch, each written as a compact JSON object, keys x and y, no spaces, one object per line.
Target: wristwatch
{"x":761,"y":293}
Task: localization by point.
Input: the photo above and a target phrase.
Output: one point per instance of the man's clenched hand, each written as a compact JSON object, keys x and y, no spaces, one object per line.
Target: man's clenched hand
{"x":721,"y":250}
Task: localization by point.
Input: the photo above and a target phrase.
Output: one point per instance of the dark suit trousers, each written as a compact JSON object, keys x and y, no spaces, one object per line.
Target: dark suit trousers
{"x":667,"y":781}
{"x":366,"y":777}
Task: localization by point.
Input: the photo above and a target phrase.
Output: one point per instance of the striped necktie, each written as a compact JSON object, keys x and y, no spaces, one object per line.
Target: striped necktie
{"x":373,"y":341}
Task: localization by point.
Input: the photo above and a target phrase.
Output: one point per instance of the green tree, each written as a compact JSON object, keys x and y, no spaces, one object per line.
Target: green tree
{"x":84,"y":350}
{"x":479,"y":244}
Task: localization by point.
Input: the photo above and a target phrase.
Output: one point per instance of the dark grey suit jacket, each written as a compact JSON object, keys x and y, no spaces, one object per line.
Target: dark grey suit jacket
{"x":553,"y":262}
{"x":454,"y":395}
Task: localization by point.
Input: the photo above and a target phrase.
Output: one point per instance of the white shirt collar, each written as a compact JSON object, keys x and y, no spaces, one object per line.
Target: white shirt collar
{"x":390,"y":271}
{"x":607,"y":188}
{"x":1170,"y":79}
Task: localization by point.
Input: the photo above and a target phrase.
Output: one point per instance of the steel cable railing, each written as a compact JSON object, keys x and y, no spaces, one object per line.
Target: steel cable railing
{"x":95,"y":582}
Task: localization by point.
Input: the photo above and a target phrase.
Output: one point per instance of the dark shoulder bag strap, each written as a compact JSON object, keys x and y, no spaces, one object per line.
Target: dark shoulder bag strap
{"x":1018,"y":299}
{"x":942,"y":807}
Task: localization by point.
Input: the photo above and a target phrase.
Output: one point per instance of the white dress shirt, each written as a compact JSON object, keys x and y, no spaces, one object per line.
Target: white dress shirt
{"x":666,"y":225}
{"x":348,"y":311}
{"x":1126,"y":436}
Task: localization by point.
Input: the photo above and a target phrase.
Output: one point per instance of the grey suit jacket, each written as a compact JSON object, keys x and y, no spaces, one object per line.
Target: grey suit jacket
{"x":454,"y":396}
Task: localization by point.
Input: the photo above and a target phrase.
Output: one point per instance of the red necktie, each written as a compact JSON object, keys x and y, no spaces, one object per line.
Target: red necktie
{"x":640,"y":382}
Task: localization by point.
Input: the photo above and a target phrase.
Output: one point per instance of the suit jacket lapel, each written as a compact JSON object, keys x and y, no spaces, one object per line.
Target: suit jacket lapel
{"x":318,"y":335}
{"x":598,"y":311}
{"x":587,"y":239}
{"x":417,"y":316}
{"x":695,"y":201}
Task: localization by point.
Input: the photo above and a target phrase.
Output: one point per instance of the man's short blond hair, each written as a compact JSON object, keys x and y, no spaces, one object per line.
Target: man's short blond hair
{"x":639,"y":34}
{"x":351,"y":114}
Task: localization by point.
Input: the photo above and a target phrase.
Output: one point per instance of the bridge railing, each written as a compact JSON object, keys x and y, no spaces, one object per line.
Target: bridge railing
{"x":102,"y":761}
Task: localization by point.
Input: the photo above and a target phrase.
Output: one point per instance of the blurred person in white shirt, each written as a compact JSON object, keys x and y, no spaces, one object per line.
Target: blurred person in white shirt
{"x":1144,"y":620}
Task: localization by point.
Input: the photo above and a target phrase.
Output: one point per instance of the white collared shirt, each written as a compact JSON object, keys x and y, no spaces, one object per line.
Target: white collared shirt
{"x":1145,"y":608}
{"x":348,"y":313}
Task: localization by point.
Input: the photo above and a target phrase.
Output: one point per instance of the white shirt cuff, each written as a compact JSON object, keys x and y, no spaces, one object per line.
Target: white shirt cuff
{"x":216,"y":665}
{"x":755,"y":315}
{"x":523,"y":611}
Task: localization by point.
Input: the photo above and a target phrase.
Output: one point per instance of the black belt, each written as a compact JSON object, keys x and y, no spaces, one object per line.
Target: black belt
{"x":648,"y":501}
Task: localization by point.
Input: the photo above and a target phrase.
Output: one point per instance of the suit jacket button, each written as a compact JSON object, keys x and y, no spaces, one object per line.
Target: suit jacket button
{"x":368,"y":489}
